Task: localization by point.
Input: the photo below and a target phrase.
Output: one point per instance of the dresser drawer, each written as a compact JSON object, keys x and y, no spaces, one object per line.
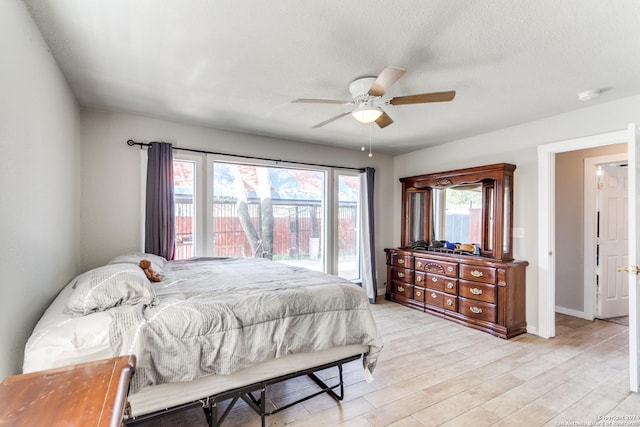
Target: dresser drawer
{"x":402,"y":289}
{"x":433,"y":298}
{"x":435,"y":282}
{"x":478,"y":274}
{"x":402,"y":274}
{"x":451,"y":286}
{"x":477,"y":309}
{"x":401,"y":259}
{"x":449,"y":269}
{"x":484,"y":293}
{"x":450,"y":302}
{"x":477,"y":291}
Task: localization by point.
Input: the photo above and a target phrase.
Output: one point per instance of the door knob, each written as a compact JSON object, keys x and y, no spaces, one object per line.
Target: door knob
{"x":631,"y":269}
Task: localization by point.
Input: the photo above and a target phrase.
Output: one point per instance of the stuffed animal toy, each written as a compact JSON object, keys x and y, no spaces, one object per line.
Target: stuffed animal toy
{"x":145,"y":265}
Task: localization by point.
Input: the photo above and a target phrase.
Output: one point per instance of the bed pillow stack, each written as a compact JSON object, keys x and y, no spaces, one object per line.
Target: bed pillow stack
{"x":117,"y":283}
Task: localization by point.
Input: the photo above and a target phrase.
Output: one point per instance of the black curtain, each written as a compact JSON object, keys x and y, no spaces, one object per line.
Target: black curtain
{"x":160,"y":228}
{"x":369,"y":176}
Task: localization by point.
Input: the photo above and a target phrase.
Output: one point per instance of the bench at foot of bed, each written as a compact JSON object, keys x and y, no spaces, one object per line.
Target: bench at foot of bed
{"x":249,"y":385}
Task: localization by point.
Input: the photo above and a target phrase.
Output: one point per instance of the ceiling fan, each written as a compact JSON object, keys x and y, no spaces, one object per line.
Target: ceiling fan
{"x":368,"y":97}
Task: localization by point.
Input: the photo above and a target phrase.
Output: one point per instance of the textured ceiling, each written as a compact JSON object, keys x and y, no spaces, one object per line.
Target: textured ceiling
{"x":236,"y":65}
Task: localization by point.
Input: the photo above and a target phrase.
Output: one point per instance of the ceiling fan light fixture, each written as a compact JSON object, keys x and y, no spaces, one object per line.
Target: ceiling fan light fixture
{"x":366,"y":113}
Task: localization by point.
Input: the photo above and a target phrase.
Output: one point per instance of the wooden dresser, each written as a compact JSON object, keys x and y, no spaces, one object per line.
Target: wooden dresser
{"x":83,"y":395}
{"x":485,"y":294}
{"x":455,"y":258}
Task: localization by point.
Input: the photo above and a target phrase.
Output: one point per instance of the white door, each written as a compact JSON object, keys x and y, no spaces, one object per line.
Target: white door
{"x":634,"y":250}
{"x":612,"y":294}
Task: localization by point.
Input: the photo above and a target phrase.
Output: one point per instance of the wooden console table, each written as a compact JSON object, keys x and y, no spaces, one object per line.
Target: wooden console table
{"x":87,"y":394}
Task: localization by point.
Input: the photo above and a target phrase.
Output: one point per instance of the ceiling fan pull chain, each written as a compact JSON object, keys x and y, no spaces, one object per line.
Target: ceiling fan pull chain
{"x":370,"y":131}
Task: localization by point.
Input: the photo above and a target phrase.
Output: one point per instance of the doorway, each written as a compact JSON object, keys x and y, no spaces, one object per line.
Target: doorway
{"x":576,"y":225}
{"x":547,"y":230}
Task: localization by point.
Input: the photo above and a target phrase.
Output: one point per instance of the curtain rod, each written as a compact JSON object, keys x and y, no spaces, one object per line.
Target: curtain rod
{"x":131,"y":143}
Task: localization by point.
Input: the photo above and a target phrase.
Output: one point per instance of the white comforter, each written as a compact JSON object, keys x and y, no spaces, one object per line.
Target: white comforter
{"x":215,"y":316}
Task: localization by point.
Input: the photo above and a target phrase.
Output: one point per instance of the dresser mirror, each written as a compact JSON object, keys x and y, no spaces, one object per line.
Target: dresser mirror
{"x":465,"y":211}
{"x":457,"y":214}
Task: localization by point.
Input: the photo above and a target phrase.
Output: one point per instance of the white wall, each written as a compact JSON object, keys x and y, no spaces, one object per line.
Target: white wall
{"x":111,"y":208}
{"x":39,"y":186}
{"x":517,"y":145}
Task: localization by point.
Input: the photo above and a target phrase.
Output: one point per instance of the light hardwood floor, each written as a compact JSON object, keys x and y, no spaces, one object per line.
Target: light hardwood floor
{"x":433,"y":372}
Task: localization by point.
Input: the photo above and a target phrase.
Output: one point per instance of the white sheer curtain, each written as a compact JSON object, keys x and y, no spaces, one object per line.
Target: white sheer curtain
{"x":367,"y":235}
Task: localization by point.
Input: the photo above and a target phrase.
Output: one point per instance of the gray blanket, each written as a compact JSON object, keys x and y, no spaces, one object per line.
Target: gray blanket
{"x":216,"y":316}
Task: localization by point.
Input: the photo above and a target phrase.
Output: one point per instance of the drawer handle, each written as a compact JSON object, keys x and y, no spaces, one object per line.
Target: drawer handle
{"x":418,"y":264}
{"x":433,"y":295}
{"x":400,"y":274}
{"x":449,"y":302}
{"x":400,"y":261}
{"x":476,"y":273}
{"x":419,"y":279}
{"x":476,"y":291}
{"x":449,"y":285}
{"x":400,"y":289}
{"x":418,"y":293}
{"x":434,"y":279}
{"x":476,"y":310}
{"x":449,"y":269}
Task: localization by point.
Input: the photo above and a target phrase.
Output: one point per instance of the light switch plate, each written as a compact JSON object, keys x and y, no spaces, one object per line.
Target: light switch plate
{"x":518,"y":233}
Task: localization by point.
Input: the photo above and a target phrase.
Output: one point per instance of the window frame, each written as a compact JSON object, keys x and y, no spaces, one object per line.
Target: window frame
{"x":203,"y":228}
{"x":335,"y":261}
{"x":198,"y":243}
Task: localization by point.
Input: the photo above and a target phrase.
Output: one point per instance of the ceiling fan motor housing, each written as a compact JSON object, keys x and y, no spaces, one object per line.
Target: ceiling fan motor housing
{"x":361,"y":86}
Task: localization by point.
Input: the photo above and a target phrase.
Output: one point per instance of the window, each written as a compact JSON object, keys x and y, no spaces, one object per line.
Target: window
{"x":271,"y":212}
{"x":184,"y":199}
{"x":291,"y":215}
{"x":348,"y":225}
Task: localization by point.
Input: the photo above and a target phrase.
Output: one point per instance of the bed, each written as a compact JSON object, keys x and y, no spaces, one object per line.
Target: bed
{"x":212,"y":329}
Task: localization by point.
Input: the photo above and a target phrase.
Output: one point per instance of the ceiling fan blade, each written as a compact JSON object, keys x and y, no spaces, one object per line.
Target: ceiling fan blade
{"x":423,"y":97}
{"x":384,"y":120}
{"x":332,"y":119}
{"x":320,"y":101}
{"x":385,"y":80}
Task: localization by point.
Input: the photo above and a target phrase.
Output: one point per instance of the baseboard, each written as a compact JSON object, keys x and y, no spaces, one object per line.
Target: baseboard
{"x":574,"y":313}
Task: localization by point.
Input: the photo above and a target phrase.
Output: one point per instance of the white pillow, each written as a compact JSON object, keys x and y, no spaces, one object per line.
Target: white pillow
{"x":157,"y":262}
{"x":109,"y":286}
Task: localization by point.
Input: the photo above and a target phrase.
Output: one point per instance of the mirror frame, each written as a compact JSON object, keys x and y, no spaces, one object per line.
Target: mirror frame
{"x":497,"y":176}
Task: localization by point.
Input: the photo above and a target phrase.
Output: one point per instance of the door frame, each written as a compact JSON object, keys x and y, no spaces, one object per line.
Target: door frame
{"x":589,"y":222}
{"x":634,"y":251}
{"x":546,"y":220}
